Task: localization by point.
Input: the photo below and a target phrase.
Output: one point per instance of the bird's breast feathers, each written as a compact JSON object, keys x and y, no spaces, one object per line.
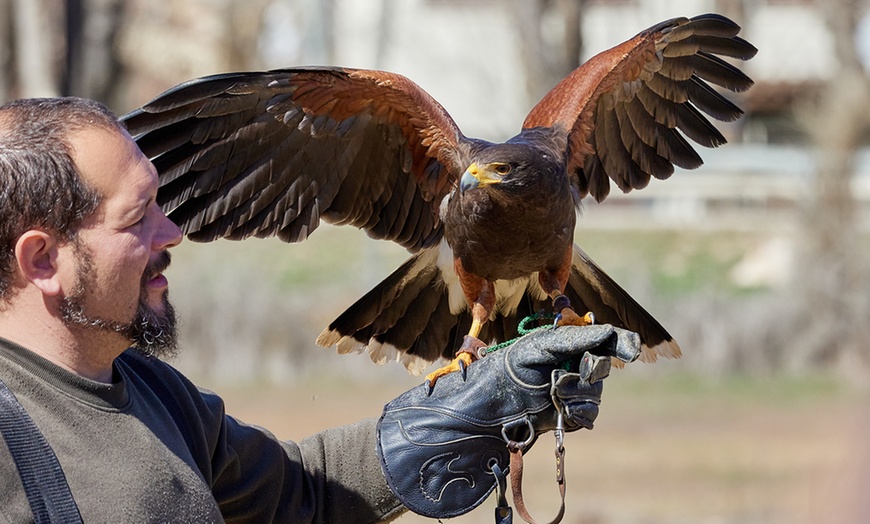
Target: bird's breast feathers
{"x":499,"y":242}
{"x":508,"y":292}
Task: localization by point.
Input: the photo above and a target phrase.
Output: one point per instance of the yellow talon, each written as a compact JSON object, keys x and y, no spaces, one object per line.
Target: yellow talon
{"x":460,"y":363}
{"x":571,"y":318}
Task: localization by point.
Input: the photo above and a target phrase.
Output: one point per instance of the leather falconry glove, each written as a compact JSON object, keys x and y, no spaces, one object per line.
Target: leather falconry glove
{"x":438,"y":450}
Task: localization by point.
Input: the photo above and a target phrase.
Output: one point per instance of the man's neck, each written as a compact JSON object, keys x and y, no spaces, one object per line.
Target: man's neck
{"x":85,"y":360}
{"x":87,"y":353}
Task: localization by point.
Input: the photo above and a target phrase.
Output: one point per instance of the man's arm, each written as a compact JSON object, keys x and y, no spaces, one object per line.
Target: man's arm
{"x":331,"y":477}
{"x":343,"y":461}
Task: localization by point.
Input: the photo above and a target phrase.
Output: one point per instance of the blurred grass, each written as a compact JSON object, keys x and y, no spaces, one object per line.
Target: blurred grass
{"x":777,"y":392}
{"x":676,"y":262}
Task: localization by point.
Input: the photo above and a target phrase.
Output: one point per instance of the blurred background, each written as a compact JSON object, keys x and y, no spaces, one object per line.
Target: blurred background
{"x":757,"y":263}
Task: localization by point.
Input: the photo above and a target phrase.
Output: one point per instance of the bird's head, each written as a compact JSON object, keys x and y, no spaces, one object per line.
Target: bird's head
{"x":507,"y":167}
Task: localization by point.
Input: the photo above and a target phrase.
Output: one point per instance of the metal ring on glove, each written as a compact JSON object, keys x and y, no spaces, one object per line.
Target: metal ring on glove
{"x":512,"y":425}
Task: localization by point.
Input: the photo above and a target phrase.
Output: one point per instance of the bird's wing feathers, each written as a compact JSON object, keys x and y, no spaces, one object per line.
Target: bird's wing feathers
{"x":271,"y":153}
{"x":623,"y":108}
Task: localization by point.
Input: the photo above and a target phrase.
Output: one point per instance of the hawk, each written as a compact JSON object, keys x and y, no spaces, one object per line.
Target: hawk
{"x":490,"y":226}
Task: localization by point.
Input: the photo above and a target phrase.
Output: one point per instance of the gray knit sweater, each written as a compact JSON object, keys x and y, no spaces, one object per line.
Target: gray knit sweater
{"x":152,"y":447}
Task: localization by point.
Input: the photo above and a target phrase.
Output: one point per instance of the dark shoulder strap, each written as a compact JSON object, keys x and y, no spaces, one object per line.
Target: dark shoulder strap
{"x":44,"y":482}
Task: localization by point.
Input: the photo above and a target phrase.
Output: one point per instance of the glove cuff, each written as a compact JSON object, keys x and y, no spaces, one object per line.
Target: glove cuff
{"x":434,"y":464}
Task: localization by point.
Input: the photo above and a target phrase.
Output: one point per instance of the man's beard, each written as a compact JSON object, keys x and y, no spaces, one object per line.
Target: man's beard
{"x":150,"y":332}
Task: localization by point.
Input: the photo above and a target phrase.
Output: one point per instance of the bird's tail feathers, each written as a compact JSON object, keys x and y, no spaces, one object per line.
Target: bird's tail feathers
{"x":591,"y":289}
{"x":406,"y":317}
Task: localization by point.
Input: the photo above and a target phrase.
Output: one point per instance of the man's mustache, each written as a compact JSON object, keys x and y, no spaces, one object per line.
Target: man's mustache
{"x":157,"y":266}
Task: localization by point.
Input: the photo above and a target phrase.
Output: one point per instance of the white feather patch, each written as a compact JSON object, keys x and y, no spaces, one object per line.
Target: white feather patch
{"x":349,"y":345}
{"x":414,"y":364}
{"x":508,"y":295}
{"x":380,"y":353}
{"x":455,"y":296}
{"x":383,"y":353}
{"x":667,"y":349}
{"x":327,"y":337}
{"x":424,"y":261}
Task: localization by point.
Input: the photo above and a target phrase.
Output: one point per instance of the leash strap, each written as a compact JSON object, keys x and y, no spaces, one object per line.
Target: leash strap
{"x":516,"y":472}
{"x":44,"y":483}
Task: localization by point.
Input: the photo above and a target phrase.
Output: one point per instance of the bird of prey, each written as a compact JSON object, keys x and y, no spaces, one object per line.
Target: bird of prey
{"x":490,"y":226}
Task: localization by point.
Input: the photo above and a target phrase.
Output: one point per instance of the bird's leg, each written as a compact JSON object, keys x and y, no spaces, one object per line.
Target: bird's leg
{"x":566,"y":314}
{"x":554,"y":283}
{"x":480,"y":293}
{"x":465,"y":355}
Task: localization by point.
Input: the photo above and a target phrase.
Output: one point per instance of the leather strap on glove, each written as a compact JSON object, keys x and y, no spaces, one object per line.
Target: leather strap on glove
{"x":438,"y":451}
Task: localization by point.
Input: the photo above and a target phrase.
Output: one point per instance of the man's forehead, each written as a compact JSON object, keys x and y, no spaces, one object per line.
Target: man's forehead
{"x":109,"y":158}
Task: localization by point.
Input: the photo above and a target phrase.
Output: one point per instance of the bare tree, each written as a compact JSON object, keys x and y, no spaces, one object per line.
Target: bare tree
{"x":34,"y":46}
{"x":92,"y":61}
{"x":5,"y":46}
{"x":833,"y":280}
{"x":242,"y":22}
{"x":546,"y":60}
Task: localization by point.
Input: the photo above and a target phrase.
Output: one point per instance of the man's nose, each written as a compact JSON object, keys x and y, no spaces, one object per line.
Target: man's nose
{"x":169,"y":235}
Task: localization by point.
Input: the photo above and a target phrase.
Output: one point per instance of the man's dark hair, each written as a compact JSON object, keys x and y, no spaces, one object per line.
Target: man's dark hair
{"x":40,"y":187}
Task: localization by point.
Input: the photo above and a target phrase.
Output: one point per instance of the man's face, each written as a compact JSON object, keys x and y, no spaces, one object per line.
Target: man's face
{"x":152,"y":332}
{"x":117,"y":286}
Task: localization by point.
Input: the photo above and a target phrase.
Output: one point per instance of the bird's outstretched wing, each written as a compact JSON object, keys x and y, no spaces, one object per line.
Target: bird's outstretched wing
{"x":623,"y":108}
{"x":271,"y":153}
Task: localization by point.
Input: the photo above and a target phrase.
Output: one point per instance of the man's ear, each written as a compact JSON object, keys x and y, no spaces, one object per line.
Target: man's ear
{"x":36,"y":253}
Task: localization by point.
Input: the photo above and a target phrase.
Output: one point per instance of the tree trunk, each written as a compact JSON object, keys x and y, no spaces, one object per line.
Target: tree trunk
{"x":34,"y":49}
{"x":5,"y":51}
{"x":545,"y":64}
{"x":833,"y":281}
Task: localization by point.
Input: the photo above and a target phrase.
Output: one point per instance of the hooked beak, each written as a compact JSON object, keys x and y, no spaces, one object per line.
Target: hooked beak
{"x":475,"y":176}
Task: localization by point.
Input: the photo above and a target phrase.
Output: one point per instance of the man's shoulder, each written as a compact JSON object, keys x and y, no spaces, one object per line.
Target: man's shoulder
{"x":137,"y":361}
{"x":154,"y":372}
{"x":170,"y":384}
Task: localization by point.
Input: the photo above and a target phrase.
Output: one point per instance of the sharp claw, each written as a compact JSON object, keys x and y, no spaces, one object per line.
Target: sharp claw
{"x":463,"y":368}
{"x":556,"y":320}
{"x":429,"y":387}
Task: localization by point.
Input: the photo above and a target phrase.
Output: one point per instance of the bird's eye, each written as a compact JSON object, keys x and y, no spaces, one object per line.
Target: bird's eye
{"x":502,"y":169}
